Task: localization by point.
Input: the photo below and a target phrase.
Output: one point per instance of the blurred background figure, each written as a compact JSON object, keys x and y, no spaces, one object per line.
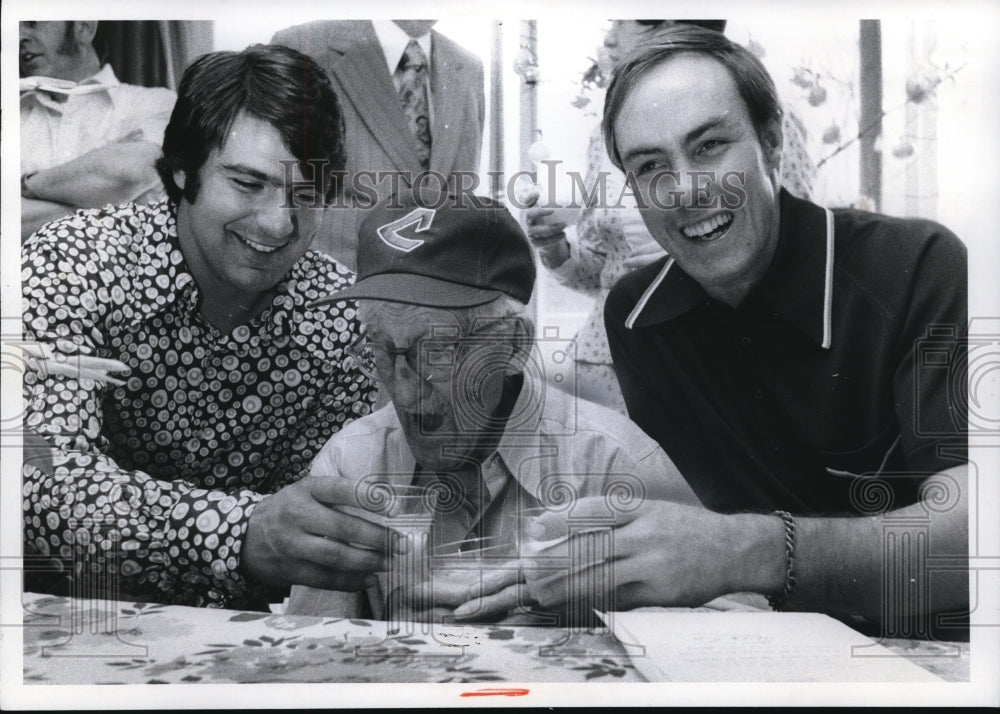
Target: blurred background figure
{"x":611,"y":240}
{"x":413,"y":101}
{"x":86,"y":138}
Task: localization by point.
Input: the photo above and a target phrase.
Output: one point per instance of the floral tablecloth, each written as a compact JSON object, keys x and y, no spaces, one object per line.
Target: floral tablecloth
{"x":103,"y":642}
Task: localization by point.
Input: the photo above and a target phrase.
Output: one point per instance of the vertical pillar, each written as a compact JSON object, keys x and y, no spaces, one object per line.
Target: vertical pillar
{"x":870,"y":120}
{"x":496,"y":113}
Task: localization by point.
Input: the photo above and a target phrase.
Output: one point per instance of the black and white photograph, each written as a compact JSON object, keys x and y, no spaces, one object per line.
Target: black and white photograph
{"x":542,"y":354}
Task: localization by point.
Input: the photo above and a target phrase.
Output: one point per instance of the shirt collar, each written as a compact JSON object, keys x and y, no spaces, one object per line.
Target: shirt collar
{"x":798,"y":284}
{"x":42,"y":87}
{"x":394,"y":40}
{"x":105,"y":77}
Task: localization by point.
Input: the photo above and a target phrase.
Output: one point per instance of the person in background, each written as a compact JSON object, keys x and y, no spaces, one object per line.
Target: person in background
{"x":611,"y":240}
{"x":86,"y":139}
{"x":163,"y":479}
{"x":413,"y":101}
{"x":442,"y":288}
{"x":793,"y":361}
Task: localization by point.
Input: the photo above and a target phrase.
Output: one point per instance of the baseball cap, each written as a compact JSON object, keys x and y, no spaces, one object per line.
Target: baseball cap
{"x":438,"y":250}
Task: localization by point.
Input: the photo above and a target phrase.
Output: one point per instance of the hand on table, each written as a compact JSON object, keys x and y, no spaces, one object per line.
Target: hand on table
{"x":663,"y":553}
{"x":298,"y":537}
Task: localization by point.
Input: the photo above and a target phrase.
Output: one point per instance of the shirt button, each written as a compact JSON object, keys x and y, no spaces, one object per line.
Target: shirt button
{"x":746,"y":342}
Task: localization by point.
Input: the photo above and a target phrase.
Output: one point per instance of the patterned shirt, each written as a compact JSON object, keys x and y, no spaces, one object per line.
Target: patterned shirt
{"x":172,"y":464}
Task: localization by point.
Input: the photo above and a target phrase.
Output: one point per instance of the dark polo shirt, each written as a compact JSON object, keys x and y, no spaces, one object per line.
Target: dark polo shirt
{"x":842,"y":362}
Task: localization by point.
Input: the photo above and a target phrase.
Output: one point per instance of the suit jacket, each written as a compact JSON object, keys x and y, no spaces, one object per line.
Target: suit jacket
{"x":378,"y":138}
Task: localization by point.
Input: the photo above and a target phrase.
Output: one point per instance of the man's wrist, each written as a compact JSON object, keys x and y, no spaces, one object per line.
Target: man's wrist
{"x":760,"y":554}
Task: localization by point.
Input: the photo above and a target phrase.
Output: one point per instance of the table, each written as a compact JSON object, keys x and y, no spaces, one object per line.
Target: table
{"x":104,"y":642}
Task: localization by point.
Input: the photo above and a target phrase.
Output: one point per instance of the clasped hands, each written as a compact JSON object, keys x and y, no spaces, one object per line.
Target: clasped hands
{"x":661,"y":553}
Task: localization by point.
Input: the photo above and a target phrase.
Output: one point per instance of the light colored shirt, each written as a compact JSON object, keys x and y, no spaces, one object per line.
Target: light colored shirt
{"x":54,"y":132}
{"x":394,"y":40}
{"x":554,"y":450}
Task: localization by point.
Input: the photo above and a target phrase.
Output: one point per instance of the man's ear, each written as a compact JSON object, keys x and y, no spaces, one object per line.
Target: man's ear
{"x":85,"y":31}
{"x":771,"y":141}
{"x":521,"y":342}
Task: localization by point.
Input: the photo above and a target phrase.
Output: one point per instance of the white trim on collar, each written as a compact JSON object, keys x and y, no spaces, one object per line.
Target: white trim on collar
{"x":637,"y":310}
{"x":827,"y":287}
{"x":828,"y":284}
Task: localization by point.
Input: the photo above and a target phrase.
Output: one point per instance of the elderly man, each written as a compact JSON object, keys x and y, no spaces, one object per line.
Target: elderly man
{"x":86,"y":138}
{"x":234,"y":381}
{"x":776,"y":357}
{"x":442,"y":288}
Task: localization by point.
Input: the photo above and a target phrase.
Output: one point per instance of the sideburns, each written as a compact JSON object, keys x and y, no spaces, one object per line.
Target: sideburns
{"x":69,"y":46}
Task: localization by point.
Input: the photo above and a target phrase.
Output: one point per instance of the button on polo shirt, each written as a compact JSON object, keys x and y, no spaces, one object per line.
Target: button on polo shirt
{"x":816,"y":378}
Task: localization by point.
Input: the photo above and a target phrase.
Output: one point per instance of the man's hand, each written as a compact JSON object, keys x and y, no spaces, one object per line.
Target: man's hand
{"x":489,"y":594}
{"x":298,"y":537}
{"x":65,"y":359}
{"x":663,"y":553}
{"x":547,"y":230}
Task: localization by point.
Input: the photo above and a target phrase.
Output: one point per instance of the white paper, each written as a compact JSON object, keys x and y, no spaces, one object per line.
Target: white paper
{"x":755,"y":647}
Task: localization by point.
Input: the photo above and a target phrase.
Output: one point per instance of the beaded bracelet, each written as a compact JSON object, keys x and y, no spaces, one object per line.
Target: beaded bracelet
{"x":778,"y":602}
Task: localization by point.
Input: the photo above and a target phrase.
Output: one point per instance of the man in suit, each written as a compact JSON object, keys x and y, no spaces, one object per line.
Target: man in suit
{"x":367,"y":62}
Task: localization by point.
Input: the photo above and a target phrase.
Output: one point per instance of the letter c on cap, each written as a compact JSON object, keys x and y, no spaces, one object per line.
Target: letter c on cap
{"x":391,"y":233}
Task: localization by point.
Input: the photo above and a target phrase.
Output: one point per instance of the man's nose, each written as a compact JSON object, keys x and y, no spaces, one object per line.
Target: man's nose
{"x":407,"y":386}
{"x":697,"y":188}
{"x":276,"y":220}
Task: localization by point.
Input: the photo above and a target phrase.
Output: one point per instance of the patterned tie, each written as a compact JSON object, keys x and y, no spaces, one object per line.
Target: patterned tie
{"x":411,"y":80}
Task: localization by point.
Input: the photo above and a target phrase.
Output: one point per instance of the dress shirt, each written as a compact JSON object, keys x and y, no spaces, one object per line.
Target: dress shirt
{"x":394,"y":40}
{"x":54,"y":132}
{"x":554,"y":450}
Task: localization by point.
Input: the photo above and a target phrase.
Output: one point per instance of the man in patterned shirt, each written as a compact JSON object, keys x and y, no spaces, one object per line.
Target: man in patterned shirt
{"x":234,"y":382}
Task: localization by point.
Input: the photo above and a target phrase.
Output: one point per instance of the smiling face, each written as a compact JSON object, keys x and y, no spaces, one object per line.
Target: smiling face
{"x":244,"y":231}
{"x":446,"y":421}
{"x":51,"y":49}
{"x":708,"y":184}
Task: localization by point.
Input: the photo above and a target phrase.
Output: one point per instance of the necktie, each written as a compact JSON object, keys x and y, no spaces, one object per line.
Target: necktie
{"x":411,"y":75}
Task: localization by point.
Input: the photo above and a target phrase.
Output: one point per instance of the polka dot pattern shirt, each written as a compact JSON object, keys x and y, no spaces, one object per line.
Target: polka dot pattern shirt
{"x":154,"y":482}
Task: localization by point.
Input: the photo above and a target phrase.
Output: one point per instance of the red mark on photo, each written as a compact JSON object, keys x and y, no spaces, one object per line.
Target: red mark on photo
{"x":496,"y":692}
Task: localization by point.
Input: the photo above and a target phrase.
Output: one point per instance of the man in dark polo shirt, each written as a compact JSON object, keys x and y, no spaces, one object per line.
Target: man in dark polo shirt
{"x":793,"y":361}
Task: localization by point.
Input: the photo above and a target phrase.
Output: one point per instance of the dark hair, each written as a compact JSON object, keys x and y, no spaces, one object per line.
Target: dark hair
{"x":752,"y":80}
{"x":272,"y":83}
{"x":717,"y":25}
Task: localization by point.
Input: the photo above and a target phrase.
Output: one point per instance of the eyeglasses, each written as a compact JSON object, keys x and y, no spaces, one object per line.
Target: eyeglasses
{"x":432,"y":361}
